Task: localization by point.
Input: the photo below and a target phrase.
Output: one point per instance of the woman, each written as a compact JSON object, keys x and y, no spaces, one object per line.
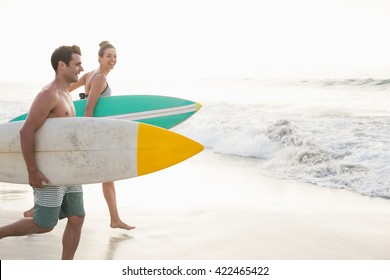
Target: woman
{"x":95,"y":85}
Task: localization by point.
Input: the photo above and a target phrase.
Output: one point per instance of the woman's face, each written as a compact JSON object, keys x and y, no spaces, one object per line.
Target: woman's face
{"x":109,"y":58}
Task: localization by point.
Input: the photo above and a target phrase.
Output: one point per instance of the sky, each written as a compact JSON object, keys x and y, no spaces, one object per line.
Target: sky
{"x":179,"y":39}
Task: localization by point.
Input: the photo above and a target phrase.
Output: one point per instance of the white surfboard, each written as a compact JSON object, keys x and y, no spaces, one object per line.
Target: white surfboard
{"x":93,"y":150}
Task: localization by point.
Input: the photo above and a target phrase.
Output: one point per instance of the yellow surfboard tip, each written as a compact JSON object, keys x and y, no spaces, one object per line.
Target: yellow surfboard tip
{"x":198,"y":106}
{"x":160,"y":148}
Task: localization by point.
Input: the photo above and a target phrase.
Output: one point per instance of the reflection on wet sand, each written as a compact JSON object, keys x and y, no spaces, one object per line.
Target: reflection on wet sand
{"x":114,"y":242}
{"x":7,"y":194}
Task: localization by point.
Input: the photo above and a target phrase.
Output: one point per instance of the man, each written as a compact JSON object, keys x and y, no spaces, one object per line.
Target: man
{"x":52,"y":203}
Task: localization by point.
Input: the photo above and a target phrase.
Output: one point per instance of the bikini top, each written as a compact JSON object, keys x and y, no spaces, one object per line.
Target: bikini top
{"x":105,"y":92}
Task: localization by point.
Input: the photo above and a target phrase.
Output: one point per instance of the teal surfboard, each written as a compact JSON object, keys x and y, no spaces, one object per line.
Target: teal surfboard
{"x":162,"y":111}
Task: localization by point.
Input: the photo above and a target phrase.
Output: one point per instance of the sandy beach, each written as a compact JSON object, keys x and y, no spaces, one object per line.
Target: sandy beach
{"x":213,"y":207}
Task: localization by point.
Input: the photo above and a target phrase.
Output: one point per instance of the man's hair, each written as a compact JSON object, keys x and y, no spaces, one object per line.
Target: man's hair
{"x":64,"y":53}
{"x":103,"y":46}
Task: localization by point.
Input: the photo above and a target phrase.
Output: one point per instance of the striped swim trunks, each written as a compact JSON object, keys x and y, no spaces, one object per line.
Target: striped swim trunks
{"x":52,"y":203}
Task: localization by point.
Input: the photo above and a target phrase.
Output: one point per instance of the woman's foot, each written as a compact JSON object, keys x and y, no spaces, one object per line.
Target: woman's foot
{"x":29,"y":213}
{"x":122,"y":225}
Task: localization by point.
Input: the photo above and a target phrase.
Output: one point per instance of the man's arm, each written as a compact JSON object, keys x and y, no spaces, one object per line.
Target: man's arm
{"x":43,"y":104}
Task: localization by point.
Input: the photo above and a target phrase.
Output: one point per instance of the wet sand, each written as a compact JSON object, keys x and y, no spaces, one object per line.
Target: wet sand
{"x":213,"y":208}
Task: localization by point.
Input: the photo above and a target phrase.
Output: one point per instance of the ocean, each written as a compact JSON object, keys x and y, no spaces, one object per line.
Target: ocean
{"x":331,"y":133}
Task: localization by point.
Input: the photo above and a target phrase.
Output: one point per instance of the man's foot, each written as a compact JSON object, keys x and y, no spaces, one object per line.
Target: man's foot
{"x":121,"y":225}
{"x":29,"y":213}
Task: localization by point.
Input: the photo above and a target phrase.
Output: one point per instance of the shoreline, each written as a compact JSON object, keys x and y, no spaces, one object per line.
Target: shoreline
{"x":215,"y":208}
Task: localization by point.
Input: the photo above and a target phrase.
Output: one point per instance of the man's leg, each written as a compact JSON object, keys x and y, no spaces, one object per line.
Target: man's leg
{"x":21,"y":228}
{"x":71,"y":237}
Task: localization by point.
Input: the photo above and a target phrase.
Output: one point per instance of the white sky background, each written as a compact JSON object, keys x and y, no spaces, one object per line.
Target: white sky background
{"x":179,"y":39}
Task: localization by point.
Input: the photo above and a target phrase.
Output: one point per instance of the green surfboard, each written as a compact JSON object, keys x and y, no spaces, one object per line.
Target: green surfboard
{"x":162,"y":111}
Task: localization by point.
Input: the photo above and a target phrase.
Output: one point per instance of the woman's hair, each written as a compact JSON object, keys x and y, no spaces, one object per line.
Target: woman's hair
{"x":103,"y":46}
{"x":63,"y":53}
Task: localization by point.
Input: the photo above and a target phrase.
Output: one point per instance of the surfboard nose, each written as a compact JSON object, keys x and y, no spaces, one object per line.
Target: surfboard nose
{"x":198,"y":106}
{"x":159,"y":148}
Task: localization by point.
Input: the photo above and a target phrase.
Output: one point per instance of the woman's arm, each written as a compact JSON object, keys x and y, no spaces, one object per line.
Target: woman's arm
{"x":79,"y":83}
{"x":97,"y":87}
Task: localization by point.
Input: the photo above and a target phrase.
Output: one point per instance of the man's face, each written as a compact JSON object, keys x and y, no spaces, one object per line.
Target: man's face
{"x":74,"y":69}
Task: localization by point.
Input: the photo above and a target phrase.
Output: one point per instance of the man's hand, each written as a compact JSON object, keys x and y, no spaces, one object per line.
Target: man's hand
{"x":37,"y":179}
